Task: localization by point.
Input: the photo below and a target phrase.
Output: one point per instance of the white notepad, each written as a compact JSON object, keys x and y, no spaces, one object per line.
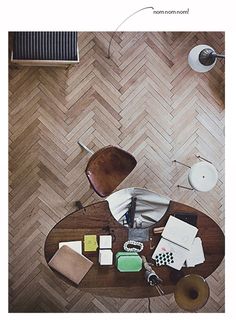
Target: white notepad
{"x":179,"y":232}
{"x":75,"y":245}
{"x":179,"y":253}
{"x":178,"y":238}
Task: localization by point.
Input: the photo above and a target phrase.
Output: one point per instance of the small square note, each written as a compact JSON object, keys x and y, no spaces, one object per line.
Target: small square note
{"x":90,"y":243}
{"x":105,"y":257}
{"x":105,"y":242}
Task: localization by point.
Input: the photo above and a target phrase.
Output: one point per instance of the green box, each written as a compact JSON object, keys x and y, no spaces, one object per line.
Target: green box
{"x":128,"y":262}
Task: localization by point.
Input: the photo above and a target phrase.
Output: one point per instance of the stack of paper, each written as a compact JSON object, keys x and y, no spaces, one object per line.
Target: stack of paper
{"x":178,"y":237}
{"x":196,"y":254}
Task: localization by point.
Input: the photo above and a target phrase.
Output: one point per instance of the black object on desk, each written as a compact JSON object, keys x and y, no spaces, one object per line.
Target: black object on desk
{"x":190,"y":218}
{"x":131,"y":212}
{"x":141,"y":234}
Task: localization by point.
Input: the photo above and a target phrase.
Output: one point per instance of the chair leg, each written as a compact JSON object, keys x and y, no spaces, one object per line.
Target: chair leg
{"x":78,"y":205}
{"x":179,"y":186}
{"x":183,"y":164}
{"x":199,"y":157}
{"x":84,"y":147}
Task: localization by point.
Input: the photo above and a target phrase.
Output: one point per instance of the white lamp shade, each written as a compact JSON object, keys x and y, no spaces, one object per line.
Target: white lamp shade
{"x":193,"y":59}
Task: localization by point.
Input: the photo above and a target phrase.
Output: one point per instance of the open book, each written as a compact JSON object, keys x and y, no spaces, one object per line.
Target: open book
{"x":178,"y":237}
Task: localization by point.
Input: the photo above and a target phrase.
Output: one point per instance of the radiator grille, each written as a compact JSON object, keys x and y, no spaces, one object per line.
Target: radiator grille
{"x":45,"y":46}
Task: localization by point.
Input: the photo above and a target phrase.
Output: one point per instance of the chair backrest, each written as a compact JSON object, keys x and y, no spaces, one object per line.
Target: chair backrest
{"x":107,"y":168}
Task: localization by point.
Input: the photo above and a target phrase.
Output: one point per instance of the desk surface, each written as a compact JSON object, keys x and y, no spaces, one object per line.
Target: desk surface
{"x":107,"y":280}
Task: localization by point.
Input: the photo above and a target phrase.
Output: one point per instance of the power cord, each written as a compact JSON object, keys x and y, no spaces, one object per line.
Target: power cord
{"x":149,"y":305}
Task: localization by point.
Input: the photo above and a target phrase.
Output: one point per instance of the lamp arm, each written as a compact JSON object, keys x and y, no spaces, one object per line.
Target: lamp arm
{"x":216,"y":55}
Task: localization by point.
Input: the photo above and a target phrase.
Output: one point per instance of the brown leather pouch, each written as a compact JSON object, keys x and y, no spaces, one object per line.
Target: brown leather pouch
{"x":71,"y":264}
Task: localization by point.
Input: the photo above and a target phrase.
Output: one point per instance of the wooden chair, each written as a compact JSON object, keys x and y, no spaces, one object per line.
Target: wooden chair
{"x":107,"y":168}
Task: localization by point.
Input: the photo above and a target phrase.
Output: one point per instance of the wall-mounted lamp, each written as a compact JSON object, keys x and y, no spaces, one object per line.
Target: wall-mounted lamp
{"x":202,"y":58}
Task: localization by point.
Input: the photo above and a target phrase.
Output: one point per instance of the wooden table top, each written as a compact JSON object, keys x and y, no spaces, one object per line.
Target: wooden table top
{"x":107,"y":280}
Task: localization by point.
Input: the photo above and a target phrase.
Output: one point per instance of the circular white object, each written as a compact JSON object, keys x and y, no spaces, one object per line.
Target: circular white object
{"x":203,"y":176}
{"x":193,"y":59}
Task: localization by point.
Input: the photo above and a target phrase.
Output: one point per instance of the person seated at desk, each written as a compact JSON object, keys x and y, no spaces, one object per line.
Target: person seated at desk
{"x":149,"y":206}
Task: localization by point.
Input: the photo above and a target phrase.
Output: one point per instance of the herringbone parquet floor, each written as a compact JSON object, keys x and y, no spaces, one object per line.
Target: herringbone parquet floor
{"x":145,"y":99}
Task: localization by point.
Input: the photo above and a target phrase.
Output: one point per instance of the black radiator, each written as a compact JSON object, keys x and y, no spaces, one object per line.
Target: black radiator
{"x":45,"y":46}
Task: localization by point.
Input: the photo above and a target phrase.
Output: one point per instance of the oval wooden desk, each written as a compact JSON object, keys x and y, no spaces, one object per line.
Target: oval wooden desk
{"x":107,"y":280}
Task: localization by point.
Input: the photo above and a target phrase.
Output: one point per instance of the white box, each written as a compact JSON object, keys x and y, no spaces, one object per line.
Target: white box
{"x":105,"y":257}
{"x":105,"y":242}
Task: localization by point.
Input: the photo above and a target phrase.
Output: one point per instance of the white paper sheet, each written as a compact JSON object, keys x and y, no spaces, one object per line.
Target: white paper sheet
{"x":196,"y":254}
{"x":75,"y":245}
{"x":179,"y":253}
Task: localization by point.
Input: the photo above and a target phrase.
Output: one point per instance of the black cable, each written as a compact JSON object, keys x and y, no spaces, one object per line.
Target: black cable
{"x":149,"y":305}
